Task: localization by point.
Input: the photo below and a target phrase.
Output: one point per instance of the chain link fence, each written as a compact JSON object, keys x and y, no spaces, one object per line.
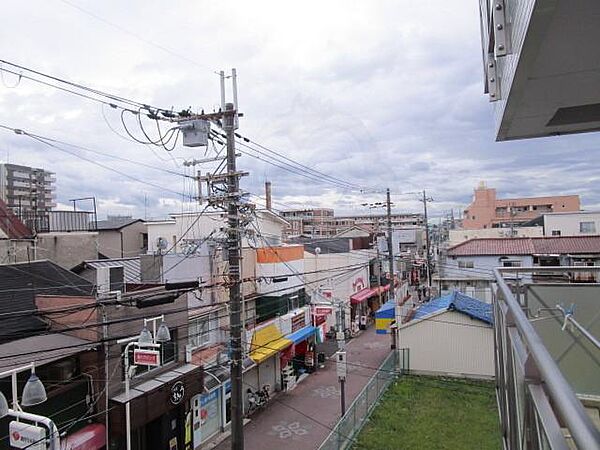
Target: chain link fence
{"x":343,"y":434}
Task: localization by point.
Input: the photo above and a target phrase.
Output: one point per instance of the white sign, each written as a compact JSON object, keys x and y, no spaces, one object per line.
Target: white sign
{"x":146,"y":357}
{"x":24,"y":435}
{"x":340,"y":358}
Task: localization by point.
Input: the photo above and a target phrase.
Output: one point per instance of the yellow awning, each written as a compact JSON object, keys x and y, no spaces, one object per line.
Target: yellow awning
{"x":266,"y":342}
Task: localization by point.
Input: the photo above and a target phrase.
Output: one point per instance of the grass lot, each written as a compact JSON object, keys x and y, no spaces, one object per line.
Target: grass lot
{"x":433,"y":413}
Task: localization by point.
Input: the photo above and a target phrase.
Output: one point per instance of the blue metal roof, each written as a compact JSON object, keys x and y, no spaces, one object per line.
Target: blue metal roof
{"x":301,"y":334}
{"x":459,"y":302}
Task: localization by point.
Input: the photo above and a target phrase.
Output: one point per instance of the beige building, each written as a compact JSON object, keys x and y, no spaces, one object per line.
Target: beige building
{"x":581,"y":223}
{"x":487,"y":211}
{"x":450,"y":336}
{"x":458,"y":236}
{"x":122,"y":237}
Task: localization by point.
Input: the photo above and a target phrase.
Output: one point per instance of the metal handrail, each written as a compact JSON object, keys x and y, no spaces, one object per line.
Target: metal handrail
{"x":563,"y":397}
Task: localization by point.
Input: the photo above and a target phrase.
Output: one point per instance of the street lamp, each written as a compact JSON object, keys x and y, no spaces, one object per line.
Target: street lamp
{"x":34,"y":392}
{"x":144,"y":339}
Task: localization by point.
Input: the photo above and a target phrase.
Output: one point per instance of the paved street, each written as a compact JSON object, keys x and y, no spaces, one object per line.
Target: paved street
{"x":302,"y":418}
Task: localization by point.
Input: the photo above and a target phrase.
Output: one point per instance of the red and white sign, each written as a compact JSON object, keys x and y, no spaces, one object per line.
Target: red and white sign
{"x":320,"y":310}
{"x":23,"y":435}
{"x":146,"y":357}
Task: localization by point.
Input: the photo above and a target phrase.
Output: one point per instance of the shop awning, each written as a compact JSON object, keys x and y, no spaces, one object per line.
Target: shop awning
{"x":302,"y":334}
{"x":387,"y":311}
{"x":90,"y":437}
{"x":267,"y":342}
{"x":362,"y":295}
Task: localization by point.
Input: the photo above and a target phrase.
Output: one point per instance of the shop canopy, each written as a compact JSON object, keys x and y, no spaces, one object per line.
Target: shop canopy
{"x":302,"y":334}
{"x":267,"y":342}
{"x":387,"y":311}
{"x":362,"y":295}
{"x":90,"y":437}
{"x":384,"y":317}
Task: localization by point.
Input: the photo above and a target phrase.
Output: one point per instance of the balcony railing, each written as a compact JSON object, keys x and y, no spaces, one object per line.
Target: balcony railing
{"x":538,"y":404}
{"x":59,"y":221}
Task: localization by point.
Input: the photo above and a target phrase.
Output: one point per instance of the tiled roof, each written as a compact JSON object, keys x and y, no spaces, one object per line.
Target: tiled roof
{"x":459,"y":302}
{"x":527,"y":246}
{"x":19,"y":283}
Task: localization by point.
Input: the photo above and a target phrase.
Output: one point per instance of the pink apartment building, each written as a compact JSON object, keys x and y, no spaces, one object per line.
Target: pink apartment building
{"x":486,"y":211}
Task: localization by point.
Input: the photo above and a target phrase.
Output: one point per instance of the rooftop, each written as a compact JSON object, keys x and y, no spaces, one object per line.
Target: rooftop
{"x":455,"y":301}
{"x":527,"y":246}
{"x":19,"y":283}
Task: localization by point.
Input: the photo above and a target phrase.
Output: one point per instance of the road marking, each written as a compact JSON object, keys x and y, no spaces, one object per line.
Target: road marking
{"x":326,"y":392}
{"x":289,"y":430}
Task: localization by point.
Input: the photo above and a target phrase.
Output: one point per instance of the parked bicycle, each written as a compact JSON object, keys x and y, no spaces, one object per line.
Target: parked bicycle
{"x":258,"y":399}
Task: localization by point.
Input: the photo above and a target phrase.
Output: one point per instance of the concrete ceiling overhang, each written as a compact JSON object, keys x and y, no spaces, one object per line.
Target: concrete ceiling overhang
{"x":556,"y":85}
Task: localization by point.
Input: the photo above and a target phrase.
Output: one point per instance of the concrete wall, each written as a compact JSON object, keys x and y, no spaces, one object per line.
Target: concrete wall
{"x":577,"y":358}
{"x":568,"y":224}
{"x":122,"y":243}
{"x":65,"y":249}
{"x":458,"y":236}
{"x":450,"y":343}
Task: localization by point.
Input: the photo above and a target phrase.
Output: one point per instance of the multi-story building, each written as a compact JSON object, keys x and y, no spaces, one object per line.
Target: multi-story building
{"x":487,"y":211}
{"x":320,"y":223}
{"x":537,"y":66}
{"x":26,"y":189}
{"x":312,"y":222}
{"x":581,"y":223}
{"x":372,"y":223}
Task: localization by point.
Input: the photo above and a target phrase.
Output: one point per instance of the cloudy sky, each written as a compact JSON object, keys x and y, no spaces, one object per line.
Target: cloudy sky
{"x":380,"y":93}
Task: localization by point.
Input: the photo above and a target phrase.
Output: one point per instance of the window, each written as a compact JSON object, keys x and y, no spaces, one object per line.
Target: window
{"x":202,"y":330}
{"x":511,"y":263}
{"x":587,"y":227}
{"x":555,"y":232}
{"x":465,"y":264}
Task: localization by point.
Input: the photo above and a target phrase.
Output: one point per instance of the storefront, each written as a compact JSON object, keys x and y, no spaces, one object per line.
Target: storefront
{"x":160,"y":410}
{"x":266,"y":344}
{"x":360,"y":307}
{"x":299,"y":359}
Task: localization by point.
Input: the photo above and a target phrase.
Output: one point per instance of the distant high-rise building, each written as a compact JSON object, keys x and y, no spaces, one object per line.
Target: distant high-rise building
{"x":26,"y":189}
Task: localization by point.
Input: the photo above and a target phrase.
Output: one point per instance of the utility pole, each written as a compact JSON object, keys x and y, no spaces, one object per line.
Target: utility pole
{"x":390,"y":246}
{"x":235,"y":304}
{"x":223,"y":192}
{"x":427,"y":244}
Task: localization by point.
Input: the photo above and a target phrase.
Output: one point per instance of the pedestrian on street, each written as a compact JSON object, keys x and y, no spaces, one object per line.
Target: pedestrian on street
{"x":419,"y":292}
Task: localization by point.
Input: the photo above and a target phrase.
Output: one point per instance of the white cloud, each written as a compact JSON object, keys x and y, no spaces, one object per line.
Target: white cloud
{"x":383,"y":93}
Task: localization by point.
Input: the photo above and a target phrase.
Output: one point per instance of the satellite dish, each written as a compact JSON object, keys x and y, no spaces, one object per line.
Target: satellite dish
{"x":161,"y":243}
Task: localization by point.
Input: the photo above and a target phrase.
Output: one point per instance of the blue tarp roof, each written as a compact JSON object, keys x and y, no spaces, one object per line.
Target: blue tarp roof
{"x":301,"y":334}
{"x":386,"y":311}
{"x":456,"y":301}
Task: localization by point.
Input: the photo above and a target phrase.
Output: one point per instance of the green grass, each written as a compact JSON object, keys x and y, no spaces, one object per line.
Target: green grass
{"x":433,"y":413}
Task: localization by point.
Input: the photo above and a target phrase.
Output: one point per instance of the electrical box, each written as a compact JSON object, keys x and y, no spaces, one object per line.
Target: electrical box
{"x":195,"y":133}
{"x":340,"y":358}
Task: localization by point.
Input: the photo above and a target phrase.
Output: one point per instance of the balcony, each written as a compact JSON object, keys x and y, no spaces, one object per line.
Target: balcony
{"x":541,"y":66}
{"x":59,"y":221}
{"x":546,"y":358}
